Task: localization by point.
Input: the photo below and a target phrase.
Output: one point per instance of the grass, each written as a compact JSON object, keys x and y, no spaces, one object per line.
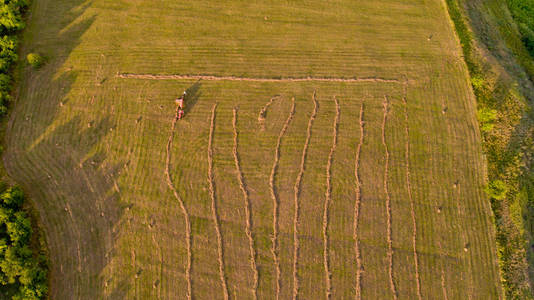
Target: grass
{"x":90,"y":148}
{"x":501,"y":75}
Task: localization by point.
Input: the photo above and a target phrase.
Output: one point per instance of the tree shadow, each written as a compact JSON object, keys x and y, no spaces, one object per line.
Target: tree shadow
{"x":57,"y":163}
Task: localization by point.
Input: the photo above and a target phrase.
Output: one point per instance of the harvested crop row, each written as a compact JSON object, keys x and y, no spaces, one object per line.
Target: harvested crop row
{"x":248,"y":217}
{"x":220,"y":251}
{"x":263,"y":111}
{"x":274,"y":197}
{"x":357,"y":202}
{"x":410,"y":196}
{"x":182,"y":206}
{"x":296,"y":191}
{"x":327,"y":200}
{"x":388,"y":200}
{"x":256,"y":79}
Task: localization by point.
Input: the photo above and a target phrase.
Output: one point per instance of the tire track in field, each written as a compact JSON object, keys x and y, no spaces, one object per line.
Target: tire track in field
{"x":182,"y":206}
{"x":256,"y":79}
{"x":357,"y":202}
{"x":274,"y":197}
{"x":328,"y":199}
{"x":215,"y":216}
{"x":160,"y":257}
{"x":296,"y":190}
{"x":465,"y":241}
{"x":248,"y":228}
{"x":443,"y":286}
{"x":388,"y":201}
{"x":410,"y":196}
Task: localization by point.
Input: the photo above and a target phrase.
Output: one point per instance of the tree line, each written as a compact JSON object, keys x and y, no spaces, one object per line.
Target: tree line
{"x":505,"y":120}
{"x":23,"y":273}
{"x":23,"y":262}
{"x":523,"y":13}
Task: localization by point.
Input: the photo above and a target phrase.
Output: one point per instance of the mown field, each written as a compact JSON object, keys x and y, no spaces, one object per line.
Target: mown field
{"x":331,"y":150}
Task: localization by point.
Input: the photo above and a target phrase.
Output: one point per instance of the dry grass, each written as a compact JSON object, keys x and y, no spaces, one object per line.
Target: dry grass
{"x":357,"y":204}
{"x":248,"y":229}
{"x":296,"y":194}
{"x":327,"y":199}
{"x":274,"y":197}
{"x":283,"y":212}
{"x":215,"y":215}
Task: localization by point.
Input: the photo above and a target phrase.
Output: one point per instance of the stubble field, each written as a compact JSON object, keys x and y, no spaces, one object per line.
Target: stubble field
{"x":329,"y":149}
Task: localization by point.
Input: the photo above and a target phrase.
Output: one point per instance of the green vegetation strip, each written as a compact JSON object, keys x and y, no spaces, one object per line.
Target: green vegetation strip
{"x":23,"y":273}
{"x":505,"y":120}
{"x":23,"y":263}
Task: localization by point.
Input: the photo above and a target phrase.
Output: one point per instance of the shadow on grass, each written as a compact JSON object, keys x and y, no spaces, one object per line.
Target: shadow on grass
{"x":57,"y":163}
{"x":192,"y":96}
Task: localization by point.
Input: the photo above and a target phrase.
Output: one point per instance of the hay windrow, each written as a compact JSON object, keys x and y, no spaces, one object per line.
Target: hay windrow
{"x":182,"y":207}
{"x":248,"y":217}
{"x":215,"y":216}
{"x":255,"y":79}
{"x":388,"y":200}
{"x":410,"y":196}
{"x":263,"y":112}
{"x":328,"y":199}
{"x":357,"y":202}
{"x":274,"y":197}
{"x":296,"y":191}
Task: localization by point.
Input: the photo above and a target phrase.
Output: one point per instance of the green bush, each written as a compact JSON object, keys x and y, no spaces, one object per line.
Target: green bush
{"x":486,"y":119}
{"x":20,"y":267}
{"x":35,"y":60}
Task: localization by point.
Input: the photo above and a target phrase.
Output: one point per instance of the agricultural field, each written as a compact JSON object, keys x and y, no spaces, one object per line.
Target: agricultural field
{"x":329,"y":149}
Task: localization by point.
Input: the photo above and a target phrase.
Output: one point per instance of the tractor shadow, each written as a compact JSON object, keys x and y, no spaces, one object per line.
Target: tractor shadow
{"x":192,"y":96}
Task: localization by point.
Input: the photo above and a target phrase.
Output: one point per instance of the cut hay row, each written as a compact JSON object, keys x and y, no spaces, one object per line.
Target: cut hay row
{"x":256,"y":79}
{"x":215,"y":216}
{"x":327,"y":200}
{"x":388,"y":200}
{"x":248,"y":217}
{"x":274,"y":197}
{"x":182,"y":207}
{"x":357,"y":202}
{"x":296,"y":191}
{"x":263,"y":111}
{"x":410,"y":196}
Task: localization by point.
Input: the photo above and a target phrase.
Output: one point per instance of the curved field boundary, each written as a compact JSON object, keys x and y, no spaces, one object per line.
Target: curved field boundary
{"x":327,"y":200}
{"x":274,"y":197}
{"x":388,"y":200}
{"x":248,"y":228}
{"x":215,"y":216}
{"x":257,"y":79}
{"x":296,"y":190}
{"x":182,"y":206}
{"x":410,"y":196}
{"x":357,"y":202}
